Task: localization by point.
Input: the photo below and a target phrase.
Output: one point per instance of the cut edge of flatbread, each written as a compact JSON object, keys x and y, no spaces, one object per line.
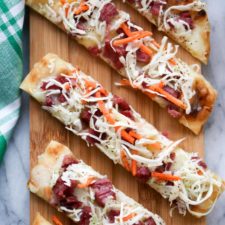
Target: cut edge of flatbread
{"x":195,"y":124}
{"x":51,"y":160}
{"x":201,"y":49}
{"x":48,"y":162}
{"x":199,"y":43}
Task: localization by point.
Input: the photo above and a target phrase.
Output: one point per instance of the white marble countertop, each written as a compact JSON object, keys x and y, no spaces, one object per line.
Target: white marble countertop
{"x":14,"y":170}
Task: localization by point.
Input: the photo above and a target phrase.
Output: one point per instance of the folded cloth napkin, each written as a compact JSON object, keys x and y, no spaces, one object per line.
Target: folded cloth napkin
{"x":11,"y":22}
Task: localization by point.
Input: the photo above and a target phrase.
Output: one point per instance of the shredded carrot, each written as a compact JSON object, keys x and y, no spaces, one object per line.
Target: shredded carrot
{"x":139,"y":32}
{"x":163,"y":176}
{"x":134,"y":167}
{"x":56,"y":220}
{"x":125,"y":40}
{"x":158,"y":88}
{"x":124,"y":160}
{"x":132,"y":38}
{"x":90,"y":84}
{"x":110,"y":120}
{"x":82,"y":8}
{"x":200,"y":172}
{"x":104,"y":111}
{"x":67,"y":86}
{"x":67,"y":7}
{"x":127,"y":137}
{"x":87,"y":183}
{"x":134,"y":134}
{"x":128,"y":217}
{"x":102,"y":106}
{"x":144,"y":48}
{"x":172,"y":62}
{"x":126,"y":29}
{"x":126,"y":83}
{"x":67,"y":11}
{"x":134,"y":164}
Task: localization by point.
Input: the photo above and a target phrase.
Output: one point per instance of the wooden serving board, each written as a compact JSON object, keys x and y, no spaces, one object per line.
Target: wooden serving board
{"x":45,"y":38}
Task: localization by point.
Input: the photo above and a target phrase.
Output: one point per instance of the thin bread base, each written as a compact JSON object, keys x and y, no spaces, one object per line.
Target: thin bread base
{"x":47,"y":162}
{"x":200,"y":49}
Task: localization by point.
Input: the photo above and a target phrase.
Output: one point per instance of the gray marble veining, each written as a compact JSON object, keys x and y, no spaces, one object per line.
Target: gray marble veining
{"x":14,"y":170}
{"x":215,"y":129}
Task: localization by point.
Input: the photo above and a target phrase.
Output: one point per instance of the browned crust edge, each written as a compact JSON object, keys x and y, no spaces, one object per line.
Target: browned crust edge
{"x":203,"y":23}
{"x":48,"y":162}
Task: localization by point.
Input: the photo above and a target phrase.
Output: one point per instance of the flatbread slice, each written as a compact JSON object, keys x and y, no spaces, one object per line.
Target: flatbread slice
{"x":81,"y":193}
{"x":112,"y":125}
{"x":147,"y":65}
{"x":185,"y":21}
{"x":40,"y":220}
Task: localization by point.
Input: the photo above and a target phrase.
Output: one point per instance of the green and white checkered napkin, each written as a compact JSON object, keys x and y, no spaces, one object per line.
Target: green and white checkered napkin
{"x":11,"y":22}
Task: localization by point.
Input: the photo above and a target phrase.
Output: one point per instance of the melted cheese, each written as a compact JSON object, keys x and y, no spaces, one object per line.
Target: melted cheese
{"x":178,"y":77}
{"x":192,"y":189}
{"x":80,"y":172}
{"x":194,"y":6}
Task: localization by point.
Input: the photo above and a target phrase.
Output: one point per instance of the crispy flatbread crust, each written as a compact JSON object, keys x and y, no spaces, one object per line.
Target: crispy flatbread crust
{"x":40,"y":220}
{"x":41,"y":71}
{"x":50,"y":160}
{"x":207,"y":95}
{"x":198,"y":44}
{"x":210,"y":202}
{"x":194,"y":123}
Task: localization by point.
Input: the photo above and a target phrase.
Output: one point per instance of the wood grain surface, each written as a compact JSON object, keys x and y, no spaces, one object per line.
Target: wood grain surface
{"x":45,"y":38}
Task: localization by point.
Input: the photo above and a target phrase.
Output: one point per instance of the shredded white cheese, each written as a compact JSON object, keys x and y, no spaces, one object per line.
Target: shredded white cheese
{"x":178,"y":77}
{"x":192,"y":189}
{"x":126,"y":205}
